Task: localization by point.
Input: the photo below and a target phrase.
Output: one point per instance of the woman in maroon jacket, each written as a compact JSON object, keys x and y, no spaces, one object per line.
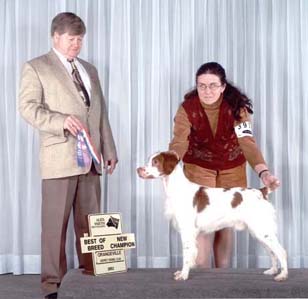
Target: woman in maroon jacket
{"x":213,"y":137}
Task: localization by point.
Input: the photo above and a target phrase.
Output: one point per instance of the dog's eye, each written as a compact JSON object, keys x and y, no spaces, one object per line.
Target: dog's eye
{"x":154,"y":162}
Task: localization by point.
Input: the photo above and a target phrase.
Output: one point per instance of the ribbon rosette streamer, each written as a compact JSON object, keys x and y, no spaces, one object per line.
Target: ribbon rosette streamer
{"x":85,"y":149}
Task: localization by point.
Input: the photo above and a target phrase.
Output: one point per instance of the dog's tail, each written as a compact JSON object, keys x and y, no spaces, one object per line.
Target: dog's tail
{"x":266,"y":191}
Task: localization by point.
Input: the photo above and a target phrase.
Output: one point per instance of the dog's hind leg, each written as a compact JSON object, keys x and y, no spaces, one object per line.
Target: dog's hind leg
{"x":271,"y":241}
{"x":274,"y":268}
{"x":189,"y":254}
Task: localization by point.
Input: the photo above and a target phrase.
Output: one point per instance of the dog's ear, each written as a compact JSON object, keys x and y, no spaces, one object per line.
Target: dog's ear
{"x":170,"y":160}
{"x":174,"y":153}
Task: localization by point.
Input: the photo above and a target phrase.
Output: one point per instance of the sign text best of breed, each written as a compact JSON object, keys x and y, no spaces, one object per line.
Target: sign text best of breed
{"x":107,"y":243}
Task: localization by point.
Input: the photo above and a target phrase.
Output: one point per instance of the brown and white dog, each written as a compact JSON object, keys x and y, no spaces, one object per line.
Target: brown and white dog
{"x":194,"y":208}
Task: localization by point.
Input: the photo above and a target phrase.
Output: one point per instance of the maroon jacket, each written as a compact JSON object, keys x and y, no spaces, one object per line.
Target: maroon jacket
{"x":218,"y":152}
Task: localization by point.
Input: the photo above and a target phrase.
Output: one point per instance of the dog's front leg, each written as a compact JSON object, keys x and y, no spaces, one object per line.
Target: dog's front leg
{"x":189,"y":254}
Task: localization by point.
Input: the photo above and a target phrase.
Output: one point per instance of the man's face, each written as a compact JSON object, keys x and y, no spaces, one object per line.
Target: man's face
{"x":68,"y":45}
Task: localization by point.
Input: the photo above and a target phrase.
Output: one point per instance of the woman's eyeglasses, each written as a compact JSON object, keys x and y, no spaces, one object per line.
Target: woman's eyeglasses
{"x":212,"y":86}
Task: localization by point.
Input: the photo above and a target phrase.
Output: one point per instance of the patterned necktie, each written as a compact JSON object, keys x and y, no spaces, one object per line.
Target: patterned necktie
{"x":79,"y":83}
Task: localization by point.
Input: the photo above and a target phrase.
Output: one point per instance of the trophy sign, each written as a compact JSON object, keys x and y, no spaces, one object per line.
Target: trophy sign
{"x":106,"y":244}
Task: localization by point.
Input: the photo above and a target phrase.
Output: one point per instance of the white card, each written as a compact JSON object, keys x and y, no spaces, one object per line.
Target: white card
{"x":243,"y":129}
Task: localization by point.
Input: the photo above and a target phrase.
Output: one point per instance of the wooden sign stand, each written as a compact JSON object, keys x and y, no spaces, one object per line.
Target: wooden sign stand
{"x":104,"y":247}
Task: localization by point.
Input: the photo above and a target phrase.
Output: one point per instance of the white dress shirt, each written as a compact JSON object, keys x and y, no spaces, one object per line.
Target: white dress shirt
{"x":83,"y":73}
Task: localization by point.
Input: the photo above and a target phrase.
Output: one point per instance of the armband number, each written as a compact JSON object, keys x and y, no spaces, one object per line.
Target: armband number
{"x":243,"y":129}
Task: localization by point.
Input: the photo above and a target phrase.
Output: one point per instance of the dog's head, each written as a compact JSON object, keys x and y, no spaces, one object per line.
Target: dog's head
{"x":159,"y":165}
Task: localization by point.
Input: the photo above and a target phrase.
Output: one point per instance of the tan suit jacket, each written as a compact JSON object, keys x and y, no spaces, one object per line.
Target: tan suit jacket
{"x":47,"y":97}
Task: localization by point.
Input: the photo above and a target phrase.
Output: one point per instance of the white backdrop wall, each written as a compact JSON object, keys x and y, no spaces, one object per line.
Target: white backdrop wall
{"x":147,"y":53}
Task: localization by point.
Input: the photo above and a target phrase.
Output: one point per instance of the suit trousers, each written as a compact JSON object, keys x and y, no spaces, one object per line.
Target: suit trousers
{"x":82,"y":194}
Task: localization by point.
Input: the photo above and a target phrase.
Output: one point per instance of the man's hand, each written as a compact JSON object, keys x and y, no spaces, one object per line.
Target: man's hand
{"x":73,"y":125}
{"x":110,"y":165}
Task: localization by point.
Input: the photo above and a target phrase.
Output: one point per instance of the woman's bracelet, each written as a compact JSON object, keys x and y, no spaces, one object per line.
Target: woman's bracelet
{"x":262,"y":171}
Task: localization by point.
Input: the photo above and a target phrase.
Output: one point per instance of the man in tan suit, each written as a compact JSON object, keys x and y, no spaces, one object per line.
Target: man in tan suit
{"x":60,"y":95}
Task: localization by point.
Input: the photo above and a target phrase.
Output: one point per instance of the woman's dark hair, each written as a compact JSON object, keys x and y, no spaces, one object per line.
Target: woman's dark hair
{"x":67,"y":22}
{"x":234,"y":97}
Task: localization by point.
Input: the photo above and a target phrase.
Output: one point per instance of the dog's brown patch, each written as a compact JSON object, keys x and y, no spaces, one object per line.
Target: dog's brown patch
{"x":237,"y":199}
{"x":201,"y":199}
{"x":169,"y":161}
{"x":264,"y":192}
{"x":165,"y":162}
{"x":158,"y":162}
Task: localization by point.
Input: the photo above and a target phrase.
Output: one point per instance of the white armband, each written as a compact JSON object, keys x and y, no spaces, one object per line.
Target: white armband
{"x":243,"y":129}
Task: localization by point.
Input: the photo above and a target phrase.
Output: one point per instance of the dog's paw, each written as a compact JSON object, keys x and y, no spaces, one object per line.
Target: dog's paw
{"x":179,"y":275}
{"x":271,"y":271}
{"x":281,"y":277}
